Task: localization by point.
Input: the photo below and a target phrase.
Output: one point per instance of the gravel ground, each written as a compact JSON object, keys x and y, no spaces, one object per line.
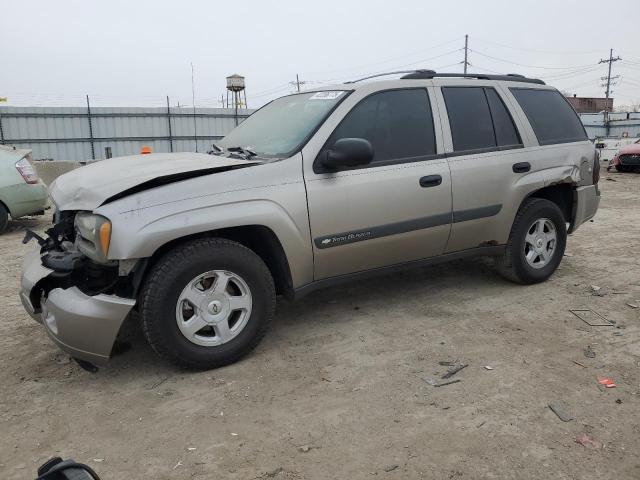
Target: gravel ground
{"x":337,"y":389}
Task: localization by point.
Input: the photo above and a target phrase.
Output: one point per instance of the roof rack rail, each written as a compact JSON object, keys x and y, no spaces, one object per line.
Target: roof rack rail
{"x":391,"y":73}
{"x":430,"y":74}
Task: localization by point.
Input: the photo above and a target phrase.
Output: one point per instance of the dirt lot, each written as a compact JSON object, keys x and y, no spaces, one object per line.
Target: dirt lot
{"x":337,"y":389}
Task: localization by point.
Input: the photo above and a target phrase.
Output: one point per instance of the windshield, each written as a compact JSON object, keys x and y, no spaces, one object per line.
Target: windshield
{"x":279,"y":128}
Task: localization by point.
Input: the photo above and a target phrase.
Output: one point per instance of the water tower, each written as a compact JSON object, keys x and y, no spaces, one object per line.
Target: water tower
{"x":235,"y":86}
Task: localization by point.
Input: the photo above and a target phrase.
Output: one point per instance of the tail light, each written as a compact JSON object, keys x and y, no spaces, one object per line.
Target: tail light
{"x":27,"y":171}
{"x":596,"y":168}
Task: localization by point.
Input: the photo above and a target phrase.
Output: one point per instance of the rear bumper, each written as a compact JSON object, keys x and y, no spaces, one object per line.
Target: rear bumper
{"x":587,"y":200}
{"x":28,"y":200}
{"x":83,"y":326}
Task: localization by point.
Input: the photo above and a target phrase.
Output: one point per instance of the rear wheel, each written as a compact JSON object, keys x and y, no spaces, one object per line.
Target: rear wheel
{"x":536,"y":243}
{"x":207,"y":303}
{"x":4,"y":218}
{"x":623,"y":168}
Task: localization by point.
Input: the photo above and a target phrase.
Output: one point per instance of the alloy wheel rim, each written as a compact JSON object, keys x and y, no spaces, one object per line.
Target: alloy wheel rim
{"x":214,"y":308}
{"x":540,"y":243}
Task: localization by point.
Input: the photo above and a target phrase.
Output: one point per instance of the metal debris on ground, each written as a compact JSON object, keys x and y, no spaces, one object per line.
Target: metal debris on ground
{"x":589,"y":352}
{"x":447,"y":363}
{"x":560,"y":412}
{"x":447,"y":383}
{"x":599,"y":291}
{"x":591,"y":317}
{"x":578,"y":363}
{"x":390,"y":468}
{"x":453,"y":370}
{"x":606,"y":382}
{"x":586,"y":441}
{"x":633,"y":305}
{"x":488,"y":367}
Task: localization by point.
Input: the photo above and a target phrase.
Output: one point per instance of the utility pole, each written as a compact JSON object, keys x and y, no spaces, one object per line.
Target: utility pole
{"x":193,"y":100}
{"x":609,"y":77}
{"x":466,"y":53}
{"x":297,"y":83}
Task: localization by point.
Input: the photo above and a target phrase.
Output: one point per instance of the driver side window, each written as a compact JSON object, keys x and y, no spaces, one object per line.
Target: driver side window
{"x":397,"y":123}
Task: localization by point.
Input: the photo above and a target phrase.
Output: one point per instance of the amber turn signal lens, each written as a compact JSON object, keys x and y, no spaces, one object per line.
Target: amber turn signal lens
{"x":105,"y":237}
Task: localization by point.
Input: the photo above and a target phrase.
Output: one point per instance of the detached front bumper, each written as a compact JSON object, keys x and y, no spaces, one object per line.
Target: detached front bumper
{"x":83,"y":326}
{"x":586,"y":202}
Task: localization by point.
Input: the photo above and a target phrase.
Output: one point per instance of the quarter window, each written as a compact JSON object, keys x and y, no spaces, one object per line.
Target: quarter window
{"x":479,"y":119}
{"x":552,"y":118}
{"x":398,"y":123}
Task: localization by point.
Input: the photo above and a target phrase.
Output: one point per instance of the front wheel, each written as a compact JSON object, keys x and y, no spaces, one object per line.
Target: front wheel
{"x":536,"y":243}
{"x":207,"y":303}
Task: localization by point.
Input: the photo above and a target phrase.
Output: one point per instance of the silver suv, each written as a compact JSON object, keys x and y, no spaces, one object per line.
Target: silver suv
{"x":311,"y":190}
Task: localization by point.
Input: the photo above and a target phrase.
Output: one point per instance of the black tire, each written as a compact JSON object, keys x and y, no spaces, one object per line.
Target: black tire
{"x":623,"y":168}
{"x":169,"y":276}
{"x":513,"y":265}
{"x":4,"y":218}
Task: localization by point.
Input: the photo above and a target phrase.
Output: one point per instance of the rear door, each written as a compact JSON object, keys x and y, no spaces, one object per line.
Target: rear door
{"x":486,"y":156}
{"x":395,"y":210}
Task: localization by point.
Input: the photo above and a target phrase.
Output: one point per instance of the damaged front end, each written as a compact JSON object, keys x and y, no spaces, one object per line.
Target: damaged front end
{"x":81,"y":301}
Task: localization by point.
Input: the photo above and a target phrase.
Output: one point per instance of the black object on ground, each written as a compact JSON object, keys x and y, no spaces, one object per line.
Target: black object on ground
{"x":452,"y":371}
{"x":560,"y":412}
{"x":447,"y":383}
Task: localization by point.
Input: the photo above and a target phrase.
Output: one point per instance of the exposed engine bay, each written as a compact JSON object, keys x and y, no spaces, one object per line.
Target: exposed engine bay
{"x":60,"y":252}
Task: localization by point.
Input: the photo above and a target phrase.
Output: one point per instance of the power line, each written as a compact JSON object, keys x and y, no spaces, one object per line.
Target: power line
{"x":553,"y":52}
{"x":360,"y":67}
{"x":525,"y":65}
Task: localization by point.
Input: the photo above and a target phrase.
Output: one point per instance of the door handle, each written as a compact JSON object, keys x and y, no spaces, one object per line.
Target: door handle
{"x":521,"y":167}
{"x":430,"y":181}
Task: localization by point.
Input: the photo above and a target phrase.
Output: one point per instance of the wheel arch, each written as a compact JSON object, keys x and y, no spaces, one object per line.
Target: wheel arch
{"x":562,"y":194}
{"x":258,"y":238}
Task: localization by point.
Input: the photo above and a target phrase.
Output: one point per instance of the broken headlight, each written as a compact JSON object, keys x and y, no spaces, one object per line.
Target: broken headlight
{"x":93,"y":234}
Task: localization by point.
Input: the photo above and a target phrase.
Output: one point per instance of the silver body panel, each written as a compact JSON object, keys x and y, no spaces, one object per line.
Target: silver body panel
{"x":330,"y":225}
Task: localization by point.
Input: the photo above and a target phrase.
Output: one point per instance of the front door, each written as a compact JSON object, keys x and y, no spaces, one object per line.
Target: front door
{"x":394,"y":210}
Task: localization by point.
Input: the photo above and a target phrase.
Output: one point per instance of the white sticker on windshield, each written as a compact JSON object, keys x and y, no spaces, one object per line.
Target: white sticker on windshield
{"x":328,"y":95}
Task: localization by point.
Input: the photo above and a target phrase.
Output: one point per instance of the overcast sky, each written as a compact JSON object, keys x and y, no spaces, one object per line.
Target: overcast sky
{"x":137,"y":52}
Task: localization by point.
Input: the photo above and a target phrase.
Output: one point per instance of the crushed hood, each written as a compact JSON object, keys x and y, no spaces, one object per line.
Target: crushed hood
{"x":88,"y":187}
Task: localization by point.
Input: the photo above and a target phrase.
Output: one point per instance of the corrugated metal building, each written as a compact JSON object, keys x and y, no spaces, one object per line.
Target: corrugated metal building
{"x":79,"y":134}
{"x":614,"y":124}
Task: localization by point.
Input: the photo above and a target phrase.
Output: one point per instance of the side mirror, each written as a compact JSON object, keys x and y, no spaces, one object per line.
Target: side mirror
{"x":348,"y":152}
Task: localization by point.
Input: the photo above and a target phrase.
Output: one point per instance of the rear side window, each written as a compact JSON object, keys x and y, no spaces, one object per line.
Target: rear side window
{"x":552,"y":118}
{"x":506,"y":133}
{"x":479,"y":119}
{"x":398,"y":123}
